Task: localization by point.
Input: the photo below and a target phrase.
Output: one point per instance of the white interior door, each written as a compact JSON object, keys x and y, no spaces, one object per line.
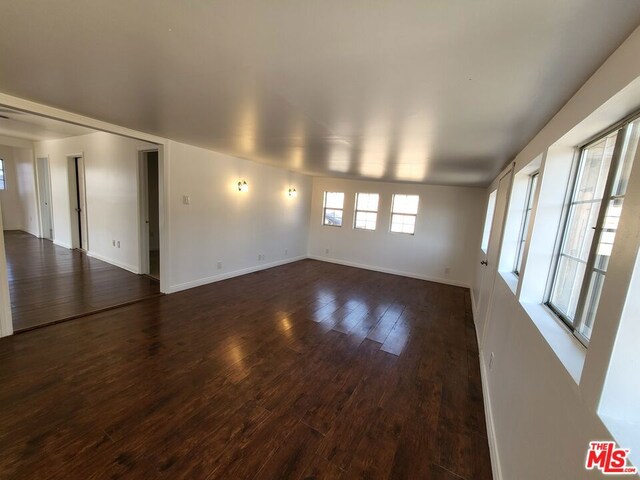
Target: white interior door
{"x":490,"y":262}
{"x":44,"y":194}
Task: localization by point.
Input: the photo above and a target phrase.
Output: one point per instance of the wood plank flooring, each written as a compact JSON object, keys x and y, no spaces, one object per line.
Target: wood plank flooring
{"x":305,"y":371}
{"x":48,"y":283}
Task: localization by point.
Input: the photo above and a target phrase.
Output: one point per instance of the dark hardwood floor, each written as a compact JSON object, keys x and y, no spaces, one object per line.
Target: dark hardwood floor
{"x":306,"y":371}
{"x":48,"y":283}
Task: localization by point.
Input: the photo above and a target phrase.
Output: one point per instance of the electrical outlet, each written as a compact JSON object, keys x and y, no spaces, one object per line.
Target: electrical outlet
{"x":286,"y":252}
{"x":114,"y":243}
{"x":219,"y":265}
{"x":447,"y":270}
{"x":326,"y":251}
{"x":491,"y":359}
{"x":118,"y":243}
{"x":186,"y":200}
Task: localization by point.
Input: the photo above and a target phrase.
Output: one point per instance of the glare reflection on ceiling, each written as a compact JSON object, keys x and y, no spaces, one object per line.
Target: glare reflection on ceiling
{"x":247,"y":125}
{"x":374,"y":157}
{"x":411,"y":171}
{"x":373,"y":170}
{"x":297,"y":157}
{"x":339,"y":159}
{"x":413,"y":149}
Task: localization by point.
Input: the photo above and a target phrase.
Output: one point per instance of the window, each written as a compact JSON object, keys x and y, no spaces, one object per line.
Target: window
{"x":2,"y":181}
{"x":366,"y":211}
{"x":333,"y":205}
{"x":488,"y":221}
{"x":590,"y":227}
{"x":531,"y":190}
{"x":403,"y":213}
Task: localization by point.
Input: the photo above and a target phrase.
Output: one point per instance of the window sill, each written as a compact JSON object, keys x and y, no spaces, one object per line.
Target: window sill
{"x":511,"y":280}
{"x":625,"y":434}
{"x":564,"y":344}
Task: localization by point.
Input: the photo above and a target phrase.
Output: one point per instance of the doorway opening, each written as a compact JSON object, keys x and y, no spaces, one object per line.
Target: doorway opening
{"x":44,"y":197}
{"x":77,"y":201}
{"x":149,"y":187}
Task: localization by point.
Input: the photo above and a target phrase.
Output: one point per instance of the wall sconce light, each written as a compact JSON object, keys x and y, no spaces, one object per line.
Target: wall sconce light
{"x":293,"y":193}
{"x":242,"y":186}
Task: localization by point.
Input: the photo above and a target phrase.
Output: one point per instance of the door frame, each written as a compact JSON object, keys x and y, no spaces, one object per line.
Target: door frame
{"x":47,"y":180}
{"x":78,"y":190}
{"x":143,"y":208}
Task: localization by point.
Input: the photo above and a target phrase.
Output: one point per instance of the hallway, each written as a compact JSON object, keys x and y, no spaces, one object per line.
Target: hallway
{"x":48,"y":283}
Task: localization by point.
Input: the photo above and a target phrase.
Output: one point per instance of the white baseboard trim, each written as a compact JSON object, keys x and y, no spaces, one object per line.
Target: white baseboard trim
{"x":61,"y":244}
{"x":473,"y":305}
{"x":491,"y":435}
{"x":124,"y":266}
{"x":391,"y":271}
{"x":235,"y":273}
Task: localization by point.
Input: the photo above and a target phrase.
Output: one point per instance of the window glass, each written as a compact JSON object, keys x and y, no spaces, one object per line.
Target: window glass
{"x":608,"y":229}
{"x":589,"y":235}
{"x":533,"y":183}
{"x":333,"y":209}
{"x":2,"y":181}
{"x":488,"y":220}
{"x":591,"y":178}
{"x":366,"y":211}
{"x":404,"y":211}
{"x":405,"y":204}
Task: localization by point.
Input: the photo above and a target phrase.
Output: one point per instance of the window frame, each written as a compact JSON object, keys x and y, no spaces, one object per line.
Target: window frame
{"x":4,"y":175}
{"x":575,"y":325}
{"x":414,"y":215}
{"x":534,"y":178}
{"x":325,"y":208}
{"x":356,"y":210}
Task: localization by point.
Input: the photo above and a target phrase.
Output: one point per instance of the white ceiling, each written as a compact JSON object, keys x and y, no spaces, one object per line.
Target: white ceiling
{"x":33,"y":127}
{"x":440,"y":91}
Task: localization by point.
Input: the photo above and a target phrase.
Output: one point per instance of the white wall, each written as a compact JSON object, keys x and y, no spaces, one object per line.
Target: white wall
{"x":448,"y":229}
{"x":541,"y":424}
{"x":222,"y":224}
{"x":10,"y":196}
{"x":26,"y":181}
{"x":543,"y":414}
{"x":111,"y":177}
{"x":19,"y":203}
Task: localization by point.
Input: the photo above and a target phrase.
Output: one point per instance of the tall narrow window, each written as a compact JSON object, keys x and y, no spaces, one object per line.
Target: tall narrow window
{"x":590,"y":228}
{"x":531,"y":191}
{"x":404,"y":211}
{"x":366,"y":211}
{"x":488,"y":221}
{"x":2,"y":180}
{"x":333,"y":207}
